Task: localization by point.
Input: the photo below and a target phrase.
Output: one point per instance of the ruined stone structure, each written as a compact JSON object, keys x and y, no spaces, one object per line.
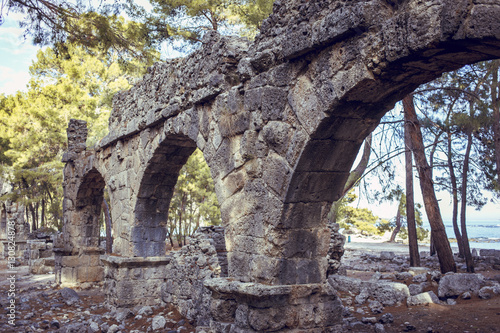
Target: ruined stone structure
{"x":279,"y":122}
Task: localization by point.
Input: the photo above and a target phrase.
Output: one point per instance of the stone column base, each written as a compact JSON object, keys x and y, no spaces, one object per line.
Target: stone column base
{"x":253,"y":307}
{"x":76,"y":268}
{"x":131,"y":281}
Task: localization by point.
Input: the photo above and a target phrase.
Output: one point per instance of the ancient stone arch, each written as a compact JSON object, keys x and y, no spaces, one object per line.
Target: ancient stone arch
{"x":279,"y":122}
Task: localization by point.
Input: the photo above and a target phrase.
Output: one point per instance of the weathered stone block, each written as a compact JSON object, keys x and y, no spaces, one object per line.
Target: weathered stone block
{"x":273,"y":103}
{"x":452,"y":285}
{"x":423,"y":299}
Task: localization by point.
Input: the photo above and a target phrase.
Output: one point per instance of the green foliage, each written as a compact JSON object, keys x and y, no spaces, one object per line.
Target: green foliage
{"x":359,"y":218}
{"x":188,"y":20}
{"x":60,"y":22}
{"x":454,"y":105}
{"x":194,"y":202}
{"x":33,"y":124}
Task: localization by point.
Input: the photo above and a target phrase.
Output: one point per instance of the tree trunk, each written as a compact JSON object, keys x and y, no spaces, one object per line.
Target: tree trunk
{"x":410,"y":204}
{"x":37,"y":206}
{"x":27,"y":213}
{"x":495,"y":101}
{"x":432,"y":248}
{"x":454,"y":193}
{"x":443,"y":249}
{"x":171,"y":241}
{"x":354,"y":177}
{"x":33,"y":217}
{"x":107,"y":222}
{"x":465,"y":240}
{"x":398,"y":225}
{"x":42,"y":220}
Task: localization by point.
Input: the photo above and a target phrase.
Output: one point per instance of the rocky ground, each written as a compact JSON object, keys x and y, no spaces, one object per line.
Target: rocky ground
{"x":379,"y":291}
{"x":451,"y":303}
{"x":41,"y":306}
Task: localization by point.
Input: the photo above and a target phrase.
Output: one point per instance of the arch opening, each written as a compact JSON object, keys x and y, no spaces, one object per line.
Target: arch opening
{"x":194,"y":203}
{"x":325,"y":161}
{"x":149,"y":233}
{"x":88,"y":204}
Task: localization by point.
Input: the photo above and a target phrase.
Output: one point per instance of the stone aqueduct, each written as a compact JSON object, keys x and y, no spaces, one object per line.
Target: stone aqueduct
{"x":279,"y":122}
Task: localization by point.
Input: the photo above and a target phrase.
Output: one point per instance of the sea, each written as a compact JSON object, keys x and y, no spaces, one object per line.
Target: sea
{"x":482,"y":234}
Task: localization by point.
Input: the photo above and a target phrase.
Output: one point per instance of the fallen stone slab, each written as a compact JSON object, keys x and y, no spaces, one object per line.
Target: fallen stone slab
{"x":388,"y":293}
{"x":455,"y":284}
{"x":344,"y":283}
{"x":489,"y":253}
{"x":386,"y":255}
{"x":423,"y":299}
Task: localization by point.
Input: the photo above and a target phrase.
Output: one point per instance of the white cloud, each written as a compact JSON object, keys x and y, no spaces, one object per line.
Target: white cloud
{"x":12,"y":81}
{"x":16,"y":55}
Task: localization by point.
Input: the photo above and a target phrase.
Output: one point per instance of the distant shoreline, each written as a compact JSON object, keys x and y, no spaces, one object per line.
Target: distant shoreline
{"x":362,"y":243}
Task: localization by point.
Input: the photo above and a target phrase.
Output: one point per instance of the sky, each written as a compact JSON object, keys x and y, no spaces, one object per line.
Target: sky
{"x":17,"y":54}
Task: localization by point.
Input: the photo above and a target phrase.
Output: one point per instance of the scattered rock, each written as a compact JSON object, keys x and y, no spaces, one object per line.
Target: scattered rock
{"x":420,"y":278}
{"x":389,"y":293}
{"x":488,"y":292}
{"x":69,"y":296}
{"x":113,"y":328}
{"x":145,"y":311}
{"x":369,"y":320}
{"x":416,"y":289}
{"x":451,"y":301}
{"x":344,"y":283}
{"x":44,"y":324}
{"x":409,"y":327}
{"x":386,"y":255}
{"x":379,"y":328}
{"x":93,"y":327}
{"x":158,"y":323}
{"x":55,"y":324}
{"x":362,"y":297}
{"x":376,"y":307}
{"x":123,"y":314}
{"x":386,"y":318}
{"x":403,"y":275}
{"x":436,"y":276}
{"x":466,"y":295}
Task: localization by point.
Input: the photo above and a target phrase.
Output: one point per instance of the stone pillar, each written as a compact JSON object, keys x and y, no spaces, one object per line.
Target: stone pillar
{"x":131,"y":281}
{"x":76,"y":250}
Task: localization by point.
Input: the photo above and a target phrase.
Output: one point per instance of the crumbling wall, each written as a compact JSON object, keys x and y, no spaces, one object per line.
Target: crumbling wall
{"x":175,"y":279}
{"x":336,"y":249}
{"x":39,"y":252}
{"x":188,"y":269}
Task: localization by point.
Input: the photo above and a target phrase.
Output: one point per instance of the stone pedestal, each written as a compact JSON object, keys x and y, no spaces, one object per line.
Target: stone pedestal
{"x":72,"y":269}
{"x":131,"y":281}
{"x":254,"y":307}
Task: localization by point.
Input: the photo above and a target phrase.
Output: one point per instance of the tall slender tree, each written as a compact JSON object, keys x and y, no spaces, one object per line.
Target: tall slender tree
{"x":410,"y":204}
{"x":443,"y":248}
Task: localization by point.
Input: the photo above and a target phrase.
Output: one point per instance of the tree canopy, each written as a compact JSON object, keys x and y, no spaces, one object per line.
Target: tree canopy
{"x":97,"y":25}
{"x":33,"y":123}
